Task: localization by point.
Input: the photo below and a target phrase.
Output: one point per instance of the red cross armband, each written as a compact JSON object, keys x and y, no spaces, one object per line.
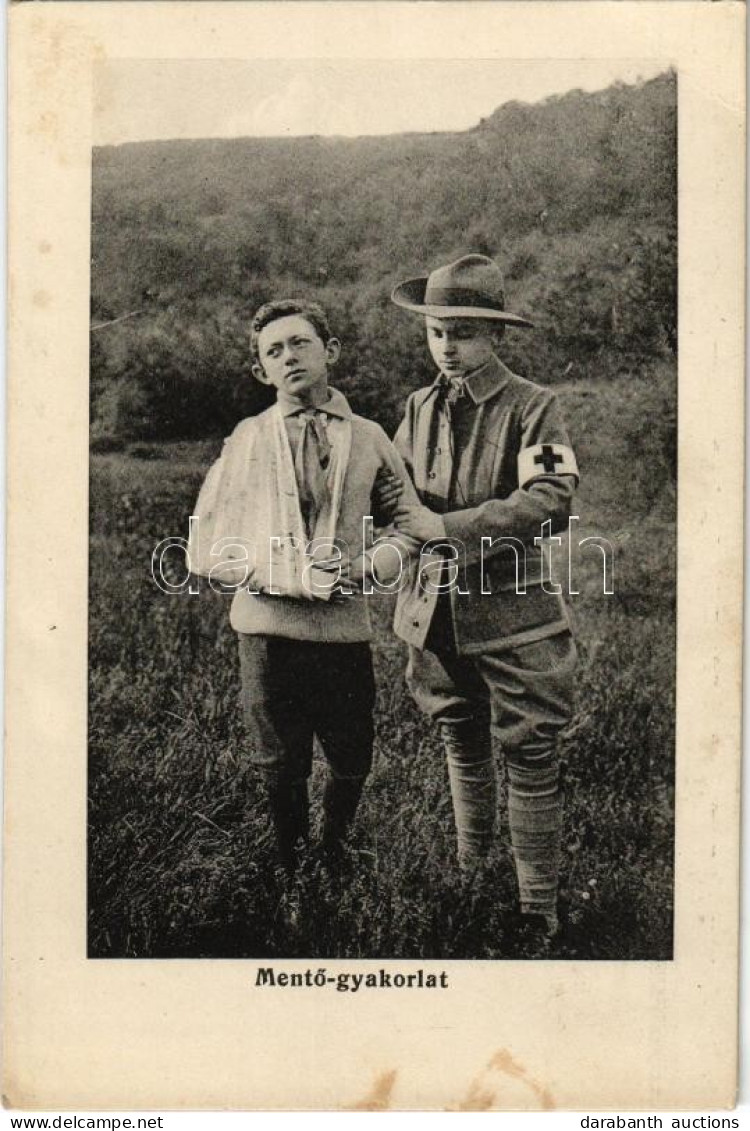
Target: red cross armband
{"x":545,"y":459}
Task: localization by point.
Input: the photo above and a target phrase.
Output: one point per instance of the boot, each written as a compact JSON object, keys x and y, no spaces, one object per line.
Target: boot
{"x":471,"y":771}
{"x":340,"y":801}
{"x":535,"y":813}
{"x":288,"y":807}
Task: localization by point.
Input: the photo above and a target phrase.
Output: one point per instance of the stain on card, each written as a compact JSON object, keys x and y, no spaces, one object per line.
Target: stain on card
{"x":484,"y":1093}
{"x":379,"y":1096}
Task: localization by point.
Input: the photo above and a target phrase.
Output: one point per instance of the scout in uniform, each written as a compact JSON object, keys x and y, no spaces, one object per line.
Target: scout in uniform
{"x":490,"y":646}
{"x":280,"y":519}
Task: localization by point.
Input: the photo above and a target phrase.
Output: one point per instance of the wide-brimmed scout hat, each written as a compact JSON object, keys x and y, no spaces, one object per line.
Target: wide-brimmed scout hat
{"x":472,"y":287}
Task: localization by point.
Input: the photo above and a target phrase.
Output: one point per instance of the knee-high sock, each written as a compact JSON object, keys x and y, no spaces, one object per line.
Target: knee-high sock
{"x":288,"y":807}
{"x":473,"y":781}
{"x":340,"y":801}
{"x":535,"y":805}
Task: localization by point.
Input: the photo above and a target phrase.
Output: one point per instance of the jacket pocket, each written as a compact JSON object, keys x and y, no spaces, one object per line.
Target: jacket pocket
{"x":553,"y":653}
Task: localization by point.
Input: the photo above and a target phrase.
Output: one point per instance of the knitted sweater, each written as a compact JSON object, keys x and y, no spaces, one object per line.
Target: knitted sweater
{"x":340,"y":619}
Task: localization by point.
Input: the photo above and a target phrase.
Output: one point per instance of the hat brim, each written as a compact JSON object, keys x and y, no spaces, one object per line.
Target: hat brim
{"x":410,"y":296}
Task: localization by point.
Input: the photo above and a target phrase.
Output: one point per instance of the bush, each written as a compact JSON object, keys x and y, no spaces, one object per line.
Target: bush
{"x":102,"y":444}
{"x":148,"y":451}
{"x":575,"y":196}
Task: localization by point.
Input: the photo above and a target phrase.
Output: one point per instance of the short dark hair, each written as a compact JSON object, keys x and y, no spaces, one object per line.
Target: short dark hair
{"x":282,"y":308}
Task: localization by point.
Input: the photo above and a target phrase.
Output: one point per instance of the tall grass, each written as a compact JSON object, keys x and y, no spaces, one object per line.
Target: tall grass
{"x":180,"y":857}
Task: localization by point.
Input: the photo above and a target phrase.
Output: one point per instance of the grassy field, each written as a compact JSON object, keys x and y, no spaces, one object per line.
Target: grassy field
{"x":180,"y":860}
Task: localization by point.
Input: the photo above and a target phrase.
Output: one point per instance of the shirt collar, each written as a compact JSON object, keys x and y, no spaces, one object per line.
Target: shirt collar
{"x":336,"y":405}
{"x":484,"y":382}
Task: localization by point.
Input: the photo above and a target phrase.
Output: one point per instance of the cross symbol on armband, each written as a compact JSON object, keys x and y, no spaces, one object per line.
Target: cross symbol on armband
{"x":549,"y":458}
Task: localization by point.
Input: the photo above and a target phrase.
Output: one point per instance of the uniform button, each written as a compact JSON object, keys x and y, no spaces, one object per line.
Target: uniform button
{"x":425,"y":598}
{"x":432,"y":475}
{"x":415,"y":623}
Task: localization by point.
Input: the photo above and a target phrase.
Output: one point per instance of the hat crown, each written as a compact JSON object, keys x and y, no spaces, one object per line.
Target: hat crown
{"x":469,"y":279}
{"x":472,"y":287}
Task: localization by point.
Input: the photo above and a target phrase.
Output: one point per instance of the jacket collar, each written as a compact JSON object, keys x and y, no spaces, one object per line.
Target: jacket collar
{"x":485,"y":382}
{"x":336,"y":405}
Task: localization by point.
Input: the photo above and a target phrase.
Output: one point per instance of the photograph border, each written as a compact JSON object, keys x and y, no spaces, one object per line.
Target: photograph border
{"x":529,"y":1036}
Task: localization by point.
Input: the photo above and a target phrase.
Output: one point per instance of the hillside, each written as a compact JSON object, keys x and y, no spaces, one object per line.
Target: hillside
{"x":576,"y":196}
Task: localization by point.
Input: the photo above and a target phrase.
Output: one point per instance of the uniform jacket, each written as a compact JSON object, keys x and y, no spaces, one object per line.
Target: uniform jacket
{"x":464,"y":463}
